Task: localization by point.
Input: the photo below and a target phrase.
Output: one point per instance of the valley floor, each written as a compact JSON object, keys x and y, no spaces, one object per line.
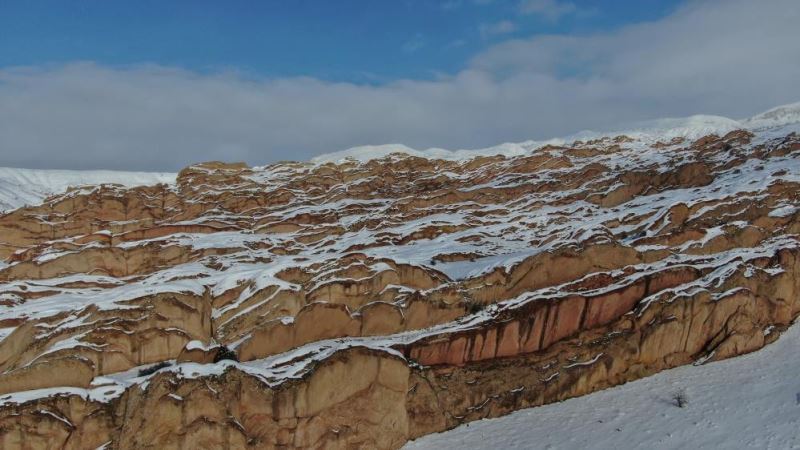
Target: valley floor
{"x":752,"y":401}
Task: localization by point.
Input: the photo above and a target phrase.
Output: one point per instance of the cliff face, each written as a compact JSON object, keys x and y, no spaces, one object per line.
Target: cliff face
{"x":362,"y":304}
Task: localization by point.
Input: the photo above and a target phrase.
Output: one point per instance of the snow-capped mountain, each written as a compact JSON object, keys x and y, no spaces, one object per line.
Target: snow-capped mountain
{"x":774,"y":117}
{"x":664,"y":130}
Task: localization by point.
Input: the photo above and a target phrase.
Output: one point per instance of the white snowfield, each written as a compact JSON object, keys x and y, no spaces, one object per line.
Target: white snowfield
{"x":748,"y":402}
{"x":20,"y":187}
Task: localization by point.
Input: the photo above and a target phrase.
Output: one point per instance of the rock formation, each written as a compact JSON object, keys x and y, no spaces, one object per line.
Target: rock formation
{"x":361,"y":304}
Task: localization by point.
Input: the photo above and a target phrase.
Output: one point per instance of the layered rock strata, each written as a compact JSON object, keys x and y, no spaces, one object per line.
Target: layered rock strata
{"x":363,"y":304}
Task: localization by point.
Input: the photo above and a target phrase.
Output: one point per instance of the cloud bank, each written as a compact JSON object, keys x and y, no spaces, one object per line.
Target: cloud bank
{"x":726,"y":57}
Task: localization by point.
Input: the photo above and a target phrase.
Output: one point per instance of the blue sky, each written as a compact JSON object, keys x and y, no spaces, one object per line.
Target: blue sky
{"x":158,"y":85}
{"x":350,"y":40}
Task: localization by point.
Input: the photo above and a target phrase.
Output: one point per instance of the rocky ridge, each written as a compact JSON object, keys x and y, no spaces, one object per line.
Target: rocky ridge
{"x":23,"y":187}
{"x":363,"y":303}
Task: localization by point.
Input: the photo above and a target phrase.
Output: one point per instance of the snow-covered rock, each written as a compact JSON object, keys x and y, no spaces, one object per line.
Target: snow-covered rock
{"x":19,"y":187}
{"x":365,"y":304}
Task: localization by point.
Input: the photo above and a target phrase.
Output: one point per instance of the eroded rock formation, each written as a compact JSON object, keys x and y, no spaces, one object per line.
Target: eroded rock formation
{"x":363,"y":304}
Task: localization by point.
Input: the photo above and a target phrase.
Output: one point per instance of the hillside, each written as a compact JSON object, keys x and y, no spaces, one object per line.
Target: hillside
{"x":372,"y":297}
{"x":746,"y":402}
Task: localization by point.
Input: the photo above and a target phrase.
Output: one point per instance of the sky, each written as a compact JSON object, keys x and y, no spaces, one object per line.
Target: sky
{"x":158,"y":85}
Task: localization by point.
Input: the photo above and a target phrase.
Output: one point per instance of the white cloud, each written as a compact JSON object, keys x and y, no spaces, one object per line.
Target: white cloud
{"x":549,"y":9}
{"x":728,"y":57}
{"x":497,"y":28}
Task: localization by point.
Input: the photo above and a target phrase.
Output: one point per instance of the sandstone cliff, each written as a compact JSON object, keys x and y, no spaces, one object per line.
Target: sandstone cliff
{"x":363,"y":304}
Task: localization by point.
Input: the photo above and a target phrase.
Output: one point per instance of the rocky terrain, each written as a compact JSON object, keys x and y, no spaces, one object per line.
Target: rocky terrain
{"x":23,"y":187}
{"x":365,"y":302}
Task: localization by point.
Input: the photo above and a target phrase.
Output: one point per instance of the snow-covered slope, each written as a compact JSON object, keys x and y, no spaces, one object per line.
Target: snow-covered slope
{"x":747,"y":402}
{"x":663,"y":130}
{"x":774,"y":117}
{"x":368,"y":152}
{"x":19,"y":187}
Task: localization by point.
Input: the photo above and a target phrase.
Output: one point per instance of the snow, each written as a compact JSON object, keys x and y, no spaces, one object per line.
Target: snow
{"x":667,"y":129}
{"x":198,"y":345}
{"x":584,"y":363}
{"x":100,"y":394}
{"x":369,"y":152}
{"x":750,"y":401}
{"x":46,"y":412}
{"x":783,"y":211}
{"x":775,"y":117}
{"x":20,"y":187}
{"x":658,"y":130}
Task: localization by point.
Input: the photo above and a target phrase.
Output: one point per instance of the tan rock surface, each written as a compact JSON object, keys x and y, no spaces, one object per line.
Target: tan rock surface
{"x":362,"y":304}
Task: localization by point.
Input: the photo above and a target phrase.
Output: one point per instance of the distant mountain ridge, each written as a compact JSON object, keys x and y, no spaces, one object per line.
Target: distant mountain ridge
{"x":19,"y":187}
{"x":691,"y":127}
